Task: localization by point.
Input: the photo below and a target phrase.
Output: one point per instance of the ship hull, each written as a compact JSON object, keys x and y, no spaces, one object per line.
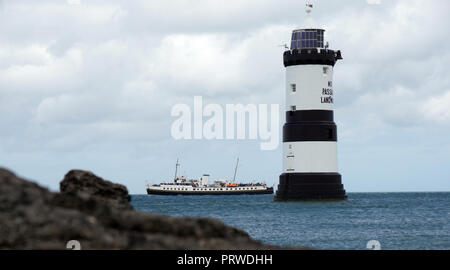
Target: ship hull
{"x":191,"y":193}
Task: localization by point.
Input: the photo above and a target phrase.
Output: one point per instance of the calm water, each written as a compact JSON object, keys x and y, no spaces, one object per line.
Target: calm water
{"x":396,"y":220}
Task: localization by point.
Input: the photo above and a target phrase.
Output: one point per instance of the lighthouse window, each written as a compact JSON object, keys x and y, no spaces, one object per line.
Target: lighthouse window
{"x":293,"y":87}
{"x":330,"y":134}
{"x":293,"y":108}
{"x":325,"y":70}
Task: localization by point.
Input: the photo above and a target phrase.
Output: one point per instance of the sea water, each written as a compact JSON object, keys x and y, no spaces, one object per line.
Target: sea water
{"x":395,"y":220}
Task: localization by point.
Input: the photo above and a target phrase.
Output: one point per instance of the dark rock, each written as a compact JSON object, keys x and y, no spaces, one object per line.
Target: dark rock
{"x":98,"y":214}
{"x":78,"y":182}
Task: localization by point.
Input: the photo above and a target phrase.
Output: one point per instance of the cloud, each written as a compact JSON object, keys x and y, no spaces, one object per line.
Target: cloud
{"x":437,"y":109}
{"x":218,"y":64}
{"x":100,"y":78}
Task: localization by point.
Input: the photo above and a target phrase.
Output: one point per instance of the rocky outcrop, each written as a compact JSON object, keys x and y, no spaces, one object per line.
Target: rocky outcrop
{"x":77,"y":182}
{"x":97,"y":214}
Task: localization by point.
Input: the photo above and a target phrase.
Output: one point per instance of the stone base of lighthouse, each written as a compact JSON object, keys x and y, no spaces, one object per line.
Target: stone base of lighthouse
{"x":310,"y":187}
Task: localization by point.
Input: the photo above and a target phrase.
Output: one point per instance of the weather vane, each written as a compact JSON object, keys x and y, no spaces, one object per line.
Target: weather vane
{"x":309,"y":7}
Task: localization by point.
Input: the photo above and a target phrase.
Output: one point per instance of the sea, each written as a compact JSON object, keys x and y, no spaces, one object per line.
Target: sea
{"x":391,"y":221}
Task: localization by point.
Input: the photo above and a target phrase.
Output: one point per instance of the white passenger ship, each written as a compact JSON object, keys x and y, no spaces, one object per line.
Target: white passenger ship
{"x":183,"y":186}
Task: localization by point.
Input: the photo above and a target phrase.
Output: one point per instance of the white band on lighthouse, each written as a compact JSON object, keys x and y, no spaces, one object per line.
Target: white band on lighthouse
{"x":301,"y":79}
{"x":310,"y":157}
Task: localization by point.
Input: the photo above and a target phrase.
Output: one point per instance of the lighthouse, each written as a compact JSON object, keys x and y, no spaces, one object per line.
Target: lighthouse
{"x":310,"y":168}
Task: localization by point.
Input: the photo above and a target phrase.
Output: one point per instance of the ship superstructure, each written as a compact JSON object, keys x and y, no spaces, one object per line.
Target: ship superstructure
{"x":183,"y":186}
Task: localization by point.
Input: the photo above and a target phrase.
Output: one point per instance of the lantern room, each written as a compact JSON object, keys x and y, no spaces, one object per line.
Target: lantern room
{"x":307,"y":38}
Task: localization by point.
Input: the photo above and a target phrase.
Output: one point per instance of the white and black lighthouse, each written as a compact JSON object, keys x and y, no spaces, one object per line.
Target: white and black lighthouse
{"x":310,"y":169}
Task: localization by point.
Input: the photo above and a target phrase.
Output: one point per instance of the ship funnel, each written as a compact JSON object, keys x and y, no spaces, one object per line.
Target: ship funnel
{"x":205,"y":180}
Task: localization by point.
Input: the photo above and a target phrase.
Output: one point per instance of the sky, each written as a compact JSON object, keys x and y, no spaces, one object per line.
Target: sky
{"x":90,"y":85}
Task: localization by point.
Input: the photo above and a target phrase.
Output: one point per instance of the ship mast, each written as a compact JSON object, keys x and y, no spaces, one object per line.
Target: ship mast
{"x":235,"y":169}
{"x":176,"y":169}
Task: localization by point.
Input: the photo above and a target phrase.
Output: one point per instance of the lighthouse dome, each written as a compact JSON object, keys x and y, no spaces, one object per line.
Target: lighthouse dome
{"x":307,"y":38}
{"x":311,"y":35}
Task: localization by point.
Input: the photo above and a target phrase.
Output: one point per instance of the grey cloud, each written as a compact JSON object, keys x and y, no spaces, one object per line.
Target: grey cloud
{"x":103,"y":75}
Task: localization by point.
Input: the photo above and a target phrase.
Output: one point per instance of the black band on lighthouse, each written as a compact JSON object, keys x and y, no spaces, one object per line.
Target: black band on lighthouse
{"x":311,"y":57}
{"x":309,"y":132}
{"x":310,"y":186}
{"x":309,"y":116}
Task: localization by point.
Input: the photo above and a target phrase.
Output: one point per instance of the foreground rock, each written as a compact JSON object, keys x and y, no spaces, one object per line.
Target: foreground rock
{"x":98,"y":214}
{"x":85,"y":183}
